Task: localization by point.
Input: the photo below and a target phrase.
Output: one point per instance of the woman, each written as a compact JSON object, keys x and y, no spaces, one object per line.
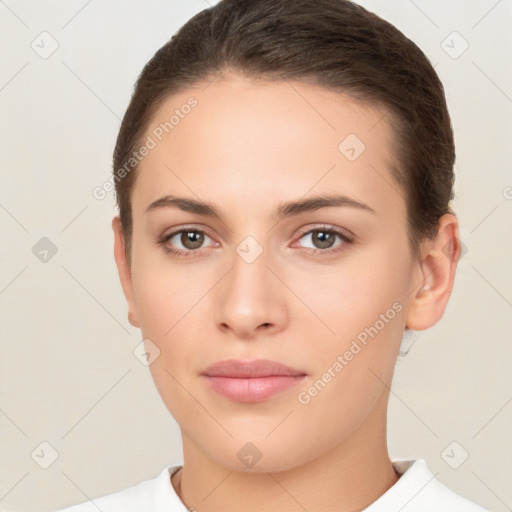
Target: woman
{"x":283,"y":175}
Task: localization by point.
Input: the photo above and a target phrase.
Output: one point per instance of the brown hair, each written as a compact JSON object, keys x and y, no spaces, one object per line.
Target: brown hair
{"x":336,"y":44}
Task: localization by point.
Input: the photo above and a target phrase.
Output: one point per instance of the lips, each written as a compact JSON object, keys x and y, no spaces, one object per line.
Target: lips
{"x":251,"y":381}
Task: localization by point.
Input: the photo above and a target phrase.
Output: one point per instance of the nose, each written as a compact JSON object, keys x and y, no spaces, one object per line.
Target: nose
{"x":251,"y":300}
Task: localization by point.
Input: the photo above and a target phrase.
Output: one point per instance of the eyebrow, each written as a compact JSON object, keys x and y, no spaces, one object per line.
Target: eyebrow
{"x":287,"y":209}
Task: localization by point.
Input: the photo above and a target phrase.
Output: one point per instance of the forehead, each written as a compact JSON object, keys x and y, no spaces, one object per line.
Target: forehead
{"x":236,"y":105}
{"x":241,"y":138}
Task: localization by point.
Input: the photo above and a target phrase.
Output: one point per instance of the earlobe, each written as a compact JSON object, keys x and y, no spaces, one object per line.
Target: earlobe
{"x":124,"y":270}
{"x":435,"y":275}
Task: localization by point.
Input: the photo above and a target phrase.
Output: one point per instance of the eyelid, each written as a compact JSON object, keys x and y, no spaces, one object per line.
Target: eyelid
{"x":193,"y":227}
{"x":344,"y":233}
{"x":347,"y":239}
{"x":167,"y":236}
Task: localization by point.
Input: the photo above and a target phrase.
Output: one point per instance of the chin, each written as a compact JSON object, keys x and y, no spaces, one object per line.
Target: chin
{"x":261,"y":454}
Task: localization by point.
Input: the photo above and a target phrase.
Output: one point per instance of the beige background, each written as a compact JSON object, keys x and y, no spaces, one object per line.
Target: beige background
{"x":68,"y":373}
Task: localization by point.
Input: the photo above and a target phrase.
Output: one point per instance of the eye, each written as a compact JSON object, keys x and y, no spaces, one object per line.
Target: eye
{"x":323,"y":239}
{"x":184,"y":242}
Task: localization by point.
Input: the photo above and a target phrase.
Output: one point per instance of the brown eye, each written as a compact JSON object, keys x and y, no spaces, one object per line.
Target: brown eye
{"x":192,"y":239}
{"x":323,"y":239}
{"x":185,"y":242}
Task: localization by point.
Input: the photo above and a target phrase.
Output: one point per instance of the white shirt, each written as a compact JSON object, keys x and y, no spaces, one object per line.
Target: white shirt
{"x":417,"y":490}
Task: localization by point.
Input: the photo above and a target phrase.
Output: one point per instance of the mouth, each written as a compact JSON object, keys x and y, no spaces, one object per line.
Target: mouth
{"x":251,"y":381}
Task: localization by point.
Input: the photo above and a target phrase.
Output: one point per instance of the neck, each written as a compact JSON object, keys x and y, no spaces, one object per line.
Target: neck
{"x":350,"y":477}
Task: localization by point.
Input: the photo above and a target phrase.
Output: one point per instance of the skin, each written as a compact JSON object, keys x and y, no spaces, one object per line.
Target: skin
{"x":247,"y":147}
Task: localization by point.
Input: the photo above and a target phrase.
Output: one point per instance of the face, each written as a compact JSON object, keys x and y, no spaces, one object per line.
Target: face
{"x":301,"y":257}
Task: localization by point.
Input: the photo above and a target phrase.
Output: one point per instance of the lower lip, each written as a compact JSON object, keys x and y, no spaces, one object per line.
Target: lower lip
{"x":253,"y":390}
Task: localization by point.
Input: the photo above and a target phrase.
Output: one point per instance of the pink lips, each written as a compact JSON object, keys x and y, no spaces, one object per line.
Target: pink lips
{"x":251,"y":381}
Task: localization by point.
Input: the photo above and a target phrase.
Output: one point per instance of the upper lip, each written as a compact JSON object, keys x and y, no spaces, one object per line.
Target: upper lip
{"x":249,"y":369}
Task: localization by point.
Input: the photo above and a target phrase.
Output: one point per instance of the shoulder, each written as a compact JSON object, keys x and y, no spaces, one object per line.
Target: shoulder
{"x":156,"y":494}
{"x":419,"y":490}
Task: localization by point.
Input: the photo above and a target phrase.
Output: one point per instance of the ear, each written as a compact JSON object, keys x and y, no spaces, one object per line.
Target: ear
{"x":124,"y":270}
{"x":434,"y":275}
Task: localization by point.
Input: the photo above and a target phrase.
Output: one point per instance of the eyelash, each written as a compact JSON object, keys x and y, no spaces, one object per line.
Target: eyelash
{"x":178,"y":252}
{"x":162,"y":241}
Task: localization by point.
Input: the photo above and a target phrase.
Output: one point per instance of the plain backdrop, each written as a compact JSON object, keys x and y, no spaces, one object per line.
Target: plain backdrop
{"x":74,"y":397}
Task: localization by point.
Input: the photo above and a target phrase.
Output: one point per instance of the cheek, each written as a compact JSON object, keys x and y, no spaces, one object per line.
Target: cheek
{"x":353,"y":369}
{"x":172,"y":316}
{"x":346,"y":298}
{"x":354,"y":347}
{"x":164,"y":292}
